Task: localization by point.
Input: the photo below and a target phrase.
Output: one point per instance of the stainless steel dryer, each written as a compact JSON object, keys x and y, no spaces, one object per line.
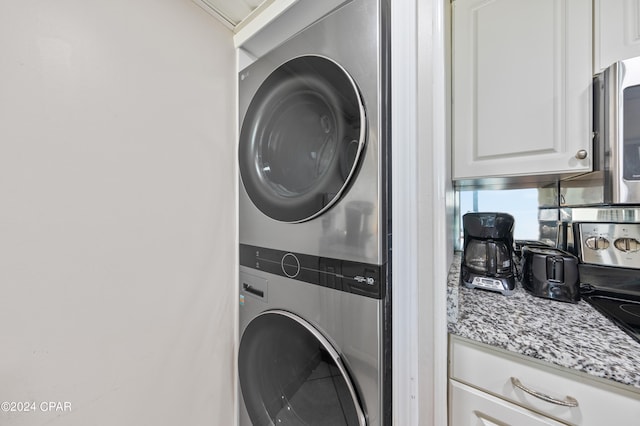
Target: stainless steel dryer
{"x":314,"y":226}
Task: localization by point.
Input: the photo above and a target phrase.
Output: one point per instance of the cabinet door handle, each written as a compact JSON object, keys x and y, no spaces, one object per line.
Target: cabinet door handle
{"x":582,"y":154}
{"x":567,"y":402}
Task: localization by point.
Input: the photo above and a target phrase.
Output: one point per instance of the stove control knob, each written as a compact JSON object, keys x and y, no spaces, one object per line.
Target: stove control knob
{"x":627,"y":244}
{"x":597,"y":243}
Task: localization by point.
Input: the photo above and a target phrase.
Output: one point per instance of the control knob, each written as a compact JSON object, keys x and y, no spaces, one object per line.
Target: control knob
{"x":597,"y":243}
{"x":290,"y":265}
{"x":627,"y":245}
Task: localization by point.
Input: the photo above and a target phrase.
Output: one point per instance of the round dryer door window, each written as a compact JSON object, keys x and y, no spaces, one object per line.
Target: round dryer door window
{"x":291,"y":375}
{"x":302,"y":139}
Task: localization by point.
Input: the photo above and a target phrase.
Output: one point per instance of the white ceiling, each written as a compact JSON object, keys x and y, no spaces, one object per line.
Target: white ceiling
{"x":232,"y":12}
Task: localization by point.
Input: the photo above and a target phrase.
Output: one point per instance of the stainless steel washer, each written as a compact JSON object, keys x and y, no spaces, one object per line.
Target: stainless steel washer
{"x":309,"y":355}
{"x":314,"y":224}
{"x":314,"y":139}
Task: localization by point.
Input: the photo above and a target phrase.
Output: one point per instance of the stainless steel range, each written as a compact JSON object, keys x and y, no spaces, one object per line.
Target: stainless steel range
{"x":615,"y":294}
{"x":607,"y":241}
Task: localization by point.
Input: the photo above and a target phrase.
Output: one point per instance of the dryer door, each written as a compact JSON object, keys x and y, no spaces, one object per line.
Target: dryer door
{"x":291,"y":375}
{"x":302,"y":139}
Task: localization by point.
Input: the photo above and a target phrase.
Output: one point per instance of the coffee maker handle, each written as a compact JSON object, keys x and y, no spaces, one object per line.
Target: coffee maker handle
{"x":492,"y":266}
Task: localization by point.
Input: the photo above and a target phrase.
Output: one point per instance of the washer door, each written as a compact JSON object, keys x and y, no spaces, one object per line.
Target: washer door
{"x":291,"y":375}
{"x":301,"y":139}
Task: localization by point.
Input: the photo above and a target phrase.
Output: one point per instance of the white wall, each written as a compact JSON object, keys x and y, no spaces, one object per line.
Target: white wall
{"x":117,"y":212}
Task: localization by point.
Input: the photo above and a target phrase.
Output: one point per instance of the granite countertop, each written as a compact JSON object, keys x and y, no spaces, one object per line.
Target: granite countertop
{"x":574,"y":336}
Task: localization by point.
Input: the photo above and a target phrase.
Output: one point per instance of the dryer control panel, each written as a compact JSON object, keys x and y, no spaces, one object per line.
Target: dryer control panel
{"x":343,"y":275}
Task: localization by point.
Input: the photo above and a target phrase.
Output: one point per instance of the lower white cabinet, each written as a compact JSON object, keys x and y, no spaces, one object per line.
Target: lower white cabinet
{"x":491,"y":386}
{"x":470,"y":406}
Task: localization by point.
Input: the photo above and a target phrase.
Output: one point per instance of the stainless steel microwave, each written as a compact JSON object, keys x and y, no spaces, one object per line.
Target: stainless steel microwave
{"x":616,"y":131}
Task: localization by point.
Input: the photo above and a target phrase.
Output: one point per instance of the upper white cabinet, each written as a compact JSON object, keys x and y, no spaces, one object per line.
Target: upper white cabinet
{"x":522,"y":73}
{"x":617,"y":31}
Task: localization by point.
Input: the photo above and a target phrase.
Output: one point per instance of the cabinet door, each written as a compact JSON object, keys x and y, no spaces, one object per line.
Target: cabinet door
{"x":492,"y":371}
{"x":521,"y":87}
{"x":617,"y":31}
{"x":469,"y":406}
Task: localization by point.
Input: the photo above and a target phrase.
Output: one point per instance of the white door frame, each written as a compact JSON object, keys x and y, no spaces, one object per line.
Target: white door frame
{"x":421,"y":209}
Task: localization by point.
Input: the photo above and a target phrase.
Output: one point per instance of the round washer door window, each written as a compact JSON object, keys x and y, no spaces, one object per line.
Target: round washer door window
{"x":302,"y":139}
{"x":291,"y":375}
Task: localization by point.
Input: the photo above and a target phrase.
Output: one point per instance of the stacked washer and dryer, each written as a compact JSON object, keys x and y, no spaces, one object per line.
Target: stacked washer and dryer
{"x":315,"y":322}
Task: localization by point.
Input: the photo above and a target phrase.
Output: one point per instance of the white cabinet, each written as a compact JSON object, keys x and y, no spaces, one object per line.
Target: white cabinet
{"x":616,"y":31}
{"x":522,"y":73}
{"x":470,"y":406}
{"x":486,"y":385}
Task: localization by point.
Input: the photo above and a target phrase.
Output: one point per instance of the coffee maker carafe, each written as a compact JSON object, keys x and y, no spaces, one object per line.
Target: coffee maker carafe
{"x":487,"y":259}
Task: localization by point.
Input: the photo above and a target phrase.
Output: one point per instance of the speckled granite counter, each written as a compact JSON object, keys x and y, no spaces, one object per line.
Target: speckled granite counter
{"x":575,"y":336}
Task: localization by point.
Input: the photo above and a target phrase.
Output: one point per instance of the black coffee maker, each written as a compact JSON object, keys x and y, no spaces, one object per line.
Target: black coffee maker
{"x":487,"y":260}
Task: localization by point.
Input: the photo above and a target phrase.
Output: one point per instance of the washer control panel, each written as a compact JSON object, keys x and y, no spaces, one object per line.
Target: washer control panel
{"x":343,"y":275}
{"x":610,"y":244}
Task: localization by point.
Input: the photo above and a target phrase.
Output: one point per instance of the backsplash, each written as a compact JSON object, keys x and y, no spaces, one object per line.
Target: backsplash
{"x":541,"y":213}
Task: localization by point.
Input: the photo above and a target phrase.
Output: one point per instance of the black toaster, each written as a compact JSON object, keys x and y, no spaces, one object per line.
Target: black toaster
{"x":550,"y":273}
